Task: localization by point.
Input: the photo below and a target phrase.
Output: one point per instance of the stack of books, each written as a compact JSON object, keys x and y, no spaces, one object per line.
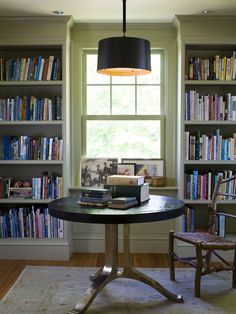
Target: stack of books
{"x":123,"y":202}
{"x":95,"y":197}
{"x":128,"y":186}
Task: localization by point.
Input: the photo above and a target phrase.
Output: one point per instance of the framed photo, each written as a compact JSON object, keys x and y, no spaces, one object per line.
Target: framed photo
{"x":147,"y":167}
{"x":94,"y":171}
{"x":126,"y":169}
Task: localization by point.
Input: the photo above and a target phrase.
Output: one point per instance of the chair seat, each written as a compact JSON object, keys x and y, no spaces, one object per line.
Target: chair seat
{"x":208,"y":241}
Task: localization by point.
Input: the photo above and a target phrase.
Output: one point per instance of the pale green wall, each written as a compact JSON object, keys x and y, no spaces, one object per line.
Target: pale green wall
{"x":160,"y":36}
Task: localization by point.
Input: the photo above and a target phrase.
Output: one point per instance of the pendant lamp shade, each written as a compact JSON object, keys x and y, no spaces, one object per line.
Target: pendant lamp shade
{"x":124,"y":56}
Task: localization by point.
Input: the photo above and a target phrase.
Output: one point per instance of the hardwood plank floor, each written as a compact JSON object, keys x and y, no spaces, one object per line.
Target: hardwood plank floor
{"x":11,"y":269}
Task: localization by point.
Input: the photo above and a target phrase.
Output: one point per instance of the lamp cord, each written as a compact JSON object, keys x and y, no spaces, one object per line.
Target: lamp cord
{"x":124,"y":17}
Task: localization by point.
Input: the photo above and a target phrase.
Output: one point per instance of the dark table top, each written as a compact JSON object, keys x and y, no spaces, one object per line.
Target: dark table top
{"x":158,"y":208}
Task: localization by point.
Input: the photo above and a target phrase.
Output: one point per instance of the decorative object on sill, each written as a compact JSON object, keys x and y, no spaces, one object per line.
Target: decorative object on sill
{"x":124,"y":56}
{"x":158,"y":181}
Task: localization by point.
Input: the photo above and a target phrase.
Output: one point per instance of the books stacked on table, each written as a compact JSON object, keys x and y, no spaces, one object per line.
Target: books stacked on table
{"x":95,"y":197}
{"x":123,"y":202}
{"x":128,"y":186}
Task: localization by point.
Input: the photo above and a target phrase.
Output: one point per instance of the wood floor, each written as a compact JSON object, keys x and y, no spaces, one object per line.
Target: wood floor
{"x":11,"y":269}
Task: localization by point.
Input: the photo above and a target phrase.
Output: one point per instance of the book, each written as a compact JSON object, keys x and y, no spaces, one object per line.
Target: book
{"x":91,"y":199}
{"x":92,"y":192}
{"x":141,"y":192}
{"x":49,"y":70}
{"x":221,"y":225}
{"x":125,"y":180}
{"x":91,"y":204}
{"x":123,"y":202}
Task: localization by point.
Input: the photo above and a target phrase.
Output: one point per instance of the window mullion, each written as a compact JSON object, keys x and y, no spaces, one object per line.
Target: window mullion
{"x":111,"y":95}
{"x":136,"y":97}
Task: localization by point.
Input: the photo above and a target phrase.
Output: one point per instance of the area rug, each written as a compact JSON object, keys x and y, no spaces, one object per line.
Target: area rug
{"x":55,"y":290}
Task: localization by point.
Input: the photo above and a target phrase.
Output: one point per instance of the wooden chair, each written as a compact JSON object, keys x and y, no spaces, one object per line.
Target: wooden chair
{"x":207,"y":243}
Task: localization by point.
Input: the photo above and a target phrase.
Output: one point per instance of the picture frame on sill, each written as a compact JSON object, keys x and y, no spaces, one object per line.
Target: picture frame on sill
{"x":94,"y":171}
{"x":153,"y":167}
{"x":127,"y":169}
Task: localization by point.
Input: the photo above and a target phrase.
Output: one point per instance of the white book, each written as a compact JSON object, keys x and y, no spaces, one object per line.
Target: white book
{"x":49,"y":102}
{"x":50,"y":148}
{"x":125,"y":180}
{"x":186,"y":148}
{"x":221,"y":225}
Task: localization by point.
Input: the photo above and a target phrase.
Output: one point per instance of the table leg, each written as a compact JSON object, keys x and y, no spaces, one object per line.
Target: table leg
{"x":130,"y":272}
{"x":105,"y":274}
{"x":110,"y":271}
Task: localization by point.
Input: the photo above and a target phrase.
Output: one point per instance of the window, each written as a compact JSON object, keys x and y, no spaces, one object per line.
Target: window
{"x":123,"y":116}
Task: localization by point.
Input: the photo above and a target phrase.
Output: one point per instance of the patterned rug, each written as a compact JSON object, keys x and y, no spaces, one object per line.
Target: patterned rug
{"x":55,"y":290}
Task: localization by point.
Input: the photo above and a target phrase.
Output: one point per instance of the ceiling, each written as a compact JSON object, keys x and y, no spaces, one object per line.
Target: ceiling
{"x":100,"y":11}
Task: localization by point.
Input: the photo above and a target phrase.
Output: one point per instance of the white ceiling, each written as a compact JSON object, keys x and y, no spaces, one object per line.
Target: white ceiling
{"x":141,"y":11}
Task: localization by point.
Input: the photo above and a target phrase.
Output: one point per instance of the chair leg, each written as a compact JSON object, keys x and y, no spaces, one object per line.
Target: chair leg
{"x":171,"y":255}
{"x":208,"y":260}
{"x":198,"y":274}
{"x":234,"y":270}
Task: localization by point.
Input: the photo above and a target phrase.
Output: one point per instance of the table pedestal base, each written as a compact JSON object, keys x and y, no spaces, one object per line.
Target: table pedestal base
{"x":110,"y":271}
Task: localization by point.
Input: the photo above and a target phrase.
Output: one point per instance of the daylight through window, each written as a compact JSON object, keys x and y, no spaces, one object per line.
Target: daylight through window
{"x":123,"y":116}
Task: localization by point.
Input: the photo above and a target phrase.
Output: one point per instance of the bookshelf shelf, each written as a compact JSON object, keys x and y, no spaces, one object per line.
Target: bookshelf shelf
{"x":210,"y":82}
{"x":214,"y":122}
{"x":31,"y":162}
{"x":199,"y":202}
{"x":32,"y":83}
{"x":23,"y":201}
{"x":34,"y":124}
{"x":27,"y":242}
{"x":209,"y":162}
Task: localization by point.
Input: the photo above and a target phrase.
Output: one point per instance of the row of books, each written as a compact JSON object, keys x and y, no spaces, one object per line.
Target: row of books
{"x":30,"y":148}
{"x":212,"y":68}
{"x":199,"y":185}
{"x":32,"y":68}
{"x":44,"y":187}
{"x":189,"y":222}
{"x":20,"y":108}
{"x":209,"y":147}
{"x":209,"y":107}
{"x":47,"y":187}
{"x":29,"y":222}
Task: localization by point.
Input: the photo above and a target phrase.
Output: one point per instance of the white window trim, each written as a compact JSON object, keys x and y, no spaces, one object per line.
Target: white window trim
{"x":161,"y":117}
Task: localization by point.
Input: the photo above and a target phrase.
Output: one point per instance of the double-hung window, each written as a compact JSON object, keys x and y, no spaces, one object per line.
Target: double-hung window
{"x":122,"y":117}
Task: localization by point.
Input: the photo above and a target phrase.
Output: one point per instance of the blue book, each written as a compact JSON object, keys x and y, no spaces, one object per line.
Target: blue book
{"x":195,"y":184}
{"x":27,"y":114}
{"x":38,"y":68}
{"x":7,"y":147}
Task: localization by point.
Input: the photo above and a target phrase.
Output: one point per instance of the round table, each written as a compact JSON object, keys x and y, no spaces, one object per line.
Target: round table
{"x":158,"y":208}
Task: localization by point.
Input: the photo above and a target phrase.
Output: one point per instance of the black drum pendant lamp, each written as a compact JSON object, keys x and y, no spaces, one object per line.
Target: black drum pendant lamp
{"x":124,"y":56}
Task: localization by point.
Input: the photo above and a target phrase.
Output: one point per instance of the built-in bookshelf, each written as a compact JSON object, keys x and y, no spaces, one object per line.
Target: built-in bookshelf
{"x":207,"y":111}
{"x":33,"y":130}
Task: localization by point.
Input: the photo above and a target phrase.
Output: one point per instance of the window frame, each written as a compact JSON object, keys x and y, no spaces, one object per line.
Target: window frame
{"x":109,"y":117}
